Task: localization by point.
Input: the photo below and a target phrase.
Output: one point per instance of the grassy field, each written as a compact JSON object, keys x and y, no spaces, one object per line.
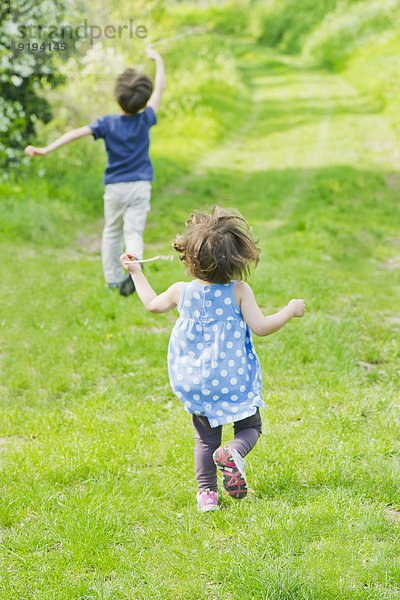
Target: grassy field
{"x":97,"y":485}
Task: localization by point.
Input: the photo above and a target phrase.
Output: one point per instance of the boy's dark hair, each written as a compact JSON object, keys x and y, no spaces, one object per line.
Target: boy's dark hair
{"x":132,"y":90}
{"x":217,"y":246}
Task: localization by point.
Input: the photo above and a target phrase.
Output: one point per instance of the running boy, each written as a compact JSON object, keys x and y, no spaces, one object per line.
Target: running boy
{"x":213,"y":366}
{"x":129,"y":171}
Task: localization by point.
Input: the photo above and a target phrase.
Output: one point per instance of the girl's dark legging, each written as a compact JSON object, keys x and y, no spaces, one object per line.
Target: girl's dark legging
{"x":207,"y":439}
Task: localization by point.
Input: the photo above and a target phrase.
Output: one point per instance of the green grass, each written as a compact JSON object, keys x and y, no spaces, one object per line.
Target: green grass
{"x":97,"y":496}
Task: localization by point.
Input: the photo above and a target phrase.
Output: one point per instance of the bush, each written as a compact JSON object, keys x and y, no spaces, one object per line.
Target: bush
{"x":348,"y":28}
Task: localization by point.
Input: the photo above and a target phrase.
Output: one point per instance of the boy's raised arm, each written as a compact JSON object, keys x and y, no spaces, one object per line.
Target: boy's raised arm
{"x":68,"y":137}
{"x":159,"y":83}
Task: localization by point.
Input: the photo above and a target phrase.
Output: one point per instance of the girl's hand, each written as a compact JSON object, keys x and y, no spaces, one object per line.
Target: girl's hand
{"x":298,"y":307}
{"x":131,"y":267}
{"x":34,"y":151}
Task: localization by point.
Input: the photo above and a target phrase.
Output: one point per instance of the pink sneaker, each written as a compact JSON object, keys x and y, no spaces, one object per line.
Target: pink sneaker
{"x":231,"y":465}
{"x":207,"y":500}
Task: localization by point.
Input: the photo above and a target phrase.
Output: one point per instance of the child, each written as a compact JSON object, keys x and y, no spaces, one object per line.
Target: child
{"x":129,"y":170}
{"x":213,"y":367}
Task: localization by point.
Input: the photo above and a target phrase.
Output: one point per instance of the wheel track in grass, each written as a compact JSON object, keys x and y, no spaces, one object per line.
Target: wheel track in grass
{"x":330,"y":124}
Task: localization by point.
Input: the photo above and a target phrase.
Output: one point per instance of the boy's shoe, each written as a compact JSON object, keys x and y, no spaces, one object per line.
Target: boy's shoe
{"x":127,"y":287}
{"x":207,"y":500}
{"x":231,"y":464}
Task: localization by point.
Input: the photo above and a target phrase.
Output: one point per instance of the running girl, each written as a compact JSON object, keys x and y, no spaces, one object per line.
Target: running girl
{"x":212,"y":364}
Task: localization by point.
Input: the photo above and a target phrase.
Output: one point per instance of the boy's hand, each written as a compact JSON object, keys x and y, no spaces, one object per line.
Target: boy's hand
{"x":152,"y":54}
{"x":128,"y":262}
{"x":298,"y":307}
{"x":34,"y":151}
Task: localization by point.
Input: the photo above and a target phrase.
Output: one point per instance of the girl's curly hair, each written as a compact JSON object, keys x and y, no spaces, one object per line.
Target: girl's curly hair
{"x":217,"y":246}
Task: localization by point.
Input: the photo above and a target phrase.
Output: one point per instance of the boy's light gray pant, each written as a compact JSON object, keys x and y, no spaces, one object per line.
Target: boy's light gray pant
{"x":126,"y":205}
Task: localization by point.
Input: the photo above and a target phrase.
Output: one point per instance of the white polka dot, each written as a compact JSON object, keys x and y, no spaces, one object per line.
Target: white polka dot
{"x":234,"y":409}
{"x":237,"y":334}
{"x":238,"y":352}
{"x":174,"y":367}
{"x":178,"y":394}
{"x":225,"y":404}
{"x":243,"y":360}
{"x":229,"y":325}
{"x":186,"y":387}
{"x":224,"y":373}
{"x":242,"y":388}
{"x":229,"y":345}
{"x":206,"y":392}
{"x":189,"y":370}
{"x":199,"y":346}
{"x":199,"y":328}
{"x":196,"y":397}
{"x":219,"y":311}
{"x":229,"y":419}
{"x":183,"y":344}
{"x":206,"y":374}
{"x":241,"y":324}
{"x":216,"y":397}
{"x":170,"y":355}
{"x":224,"y":390}
{"x":214,"y":364}
{"x":187,"y":303}
{"x":214,"y":423}
{"x":233,"y":381}
{"x":197,"y":363}
{"x":190,"y":336}
{"x":215,"y":327}
{"x":222,"y":355}
{"x":196,"y":313}
{"x":191,"y":354}
{"x":250,"y":356}
{"x":207,"y":407}
{"x":179,"y":377}
{"x":196,"y":295}
{"x":207,"y":337}
{"x":220,"y":413}
{"x":228,"y":301}
{"x":250,"y":394}
{"x":208,"y":303}
{"x":215,"y":382}
{"x":197,"y":413}
{"x":222,"y":336}
{"x":231,"y":363}
{"x":247,"y":378}
{"x":217,"y":293}
{"x":196,"y":380}
{"x":234,"y":398}
{"x":188,"y":404}
{"x":240,"y":371}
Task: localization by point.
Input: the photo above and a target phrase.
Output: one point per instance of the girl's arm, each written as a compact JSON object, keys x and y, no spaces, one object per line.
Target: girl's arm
{"x":68,"y":137}
{"x":252,"y":314}
{"x":155,"y":304}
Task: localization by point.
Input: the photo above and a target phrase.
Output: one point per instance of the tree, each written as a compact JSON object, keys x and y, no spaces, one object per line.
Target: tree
{"x":24,"y":72}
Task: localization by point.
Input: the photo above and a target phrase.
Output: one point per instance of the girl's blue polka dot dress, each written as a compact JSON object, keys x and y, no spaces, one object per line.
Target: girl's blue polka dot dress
{"x":212,"y":365}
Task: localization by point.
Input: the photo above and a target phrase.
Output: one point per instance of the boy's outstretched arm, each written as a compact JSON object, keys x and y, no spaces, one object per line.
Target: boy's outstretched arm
{"x":159,"y":83}
{"x":156,"y":304}
{"x":252,"y":314}
{"x":68,"y":137}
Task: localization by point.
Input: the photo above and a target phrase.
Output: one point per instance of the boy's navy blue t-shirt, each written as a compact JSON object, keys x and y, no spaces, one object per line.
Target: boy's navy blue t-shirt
{"x":127,"y":144}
